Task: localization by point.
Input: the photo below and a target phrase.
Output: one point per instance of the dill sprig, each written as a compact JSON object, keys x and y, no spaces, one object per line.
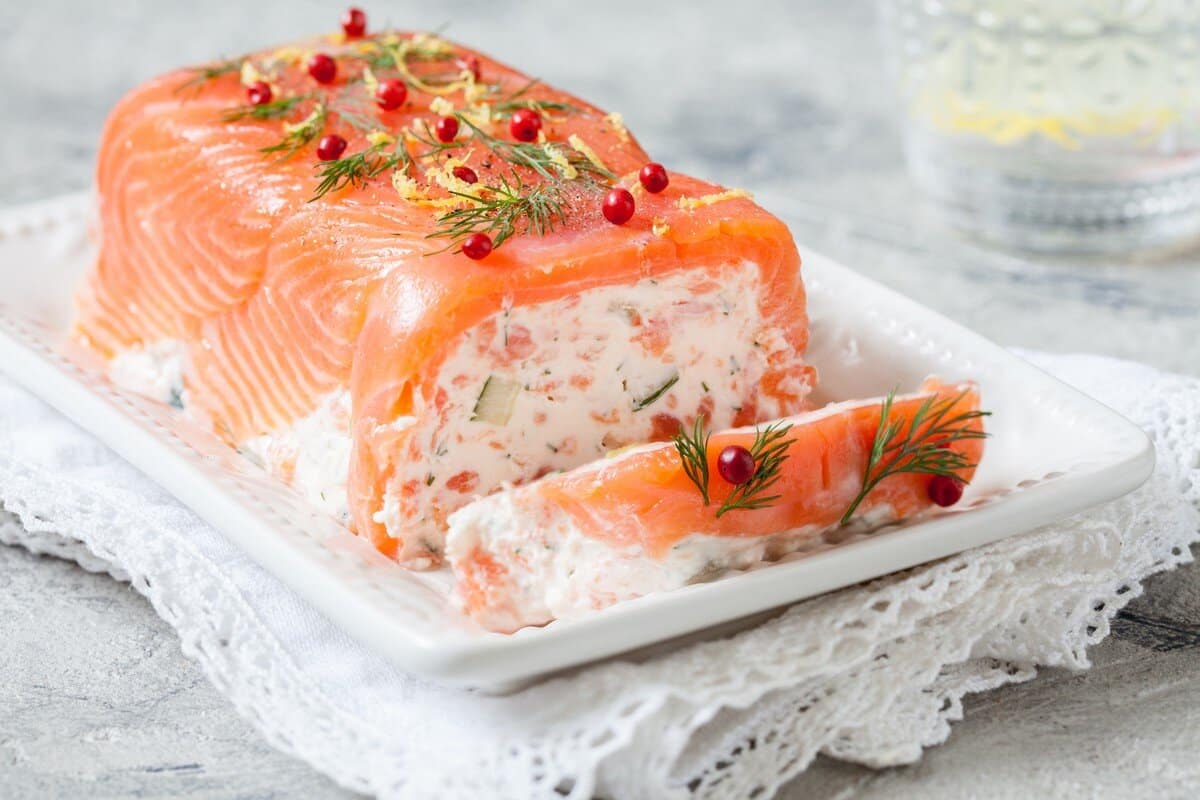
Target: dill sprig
{"x":357,"y":168}
{"x":920,"y":447}
{"x":436,"y":147}
{"x":378,"y":54}
{"x":202,"y":75}
{"x":356,"y":111}
{"x":427,"y":54}
{"x":538,"y":157}
{"x":693,"y":455}
{"x":297,"y":135}
{"x":769,"y":451}
{"x":503,"y":210}
{"x":275,"y":109}
{"x":505,"y":107}
{"x":516,"y":94}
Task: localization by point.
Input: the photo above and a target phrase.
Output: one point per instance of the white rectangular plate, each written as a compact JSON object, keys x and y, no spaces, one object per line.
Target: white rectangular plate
{"x":1053,"y":451}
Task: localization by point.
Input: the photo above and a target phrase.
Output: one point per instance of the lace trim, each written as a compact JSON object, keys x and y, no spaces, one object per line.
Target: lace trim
{"x":871,"y":674}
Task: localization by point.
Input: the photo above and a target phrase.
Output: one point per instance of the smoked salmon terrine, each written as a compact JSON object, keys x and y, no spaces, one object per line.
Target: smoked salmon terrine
{"x":660,"y":516}
{"x":400,"y":275}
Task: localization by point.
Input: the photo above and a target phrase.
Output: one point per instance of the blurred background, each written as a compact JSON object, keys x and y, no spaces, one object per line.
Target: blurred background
{"x":793,"y":100}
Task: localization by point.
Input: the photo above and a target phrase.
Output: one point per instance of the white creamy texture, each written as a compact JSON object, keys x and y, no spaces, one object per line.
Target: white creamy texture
{"x":154,"y":370}
{"x":313,"y":455}
{"x":555,"y":571}
{"x":588,"y":368}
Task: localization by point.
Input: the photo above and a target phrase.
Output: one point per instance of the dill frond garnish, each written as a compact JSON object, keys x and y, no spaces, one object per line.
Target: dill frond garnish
{"x":543,"y":160}
{"x":425,"y":136}
{"x":504,"y":210}
{"x":202,"y":75}
{"x":545,"y":179}
{"x":693,"y":455}
{"x":355,"y":111}
{"x":505,"y":108}
{"x":769,"y":451}
{"x":388,"y":52}
{"x":297,"y":135}
{"x":274,"y":109}
{"x":357,"y":168}
{"x":524,"y":89}
{"x":376,"y":55}
{"x":920,"y":447}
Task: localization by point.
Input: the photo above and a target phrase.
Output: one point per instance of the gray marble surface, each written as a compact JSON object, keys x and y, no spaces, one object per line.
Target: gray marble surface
{"x":785,"y":98}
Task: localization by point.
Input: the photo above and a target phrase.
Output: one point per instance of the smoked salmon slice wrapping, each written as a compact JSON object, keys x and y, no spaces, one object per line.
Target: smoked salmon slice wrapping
{"x":635,"y":523}
{"x":342,"y":338}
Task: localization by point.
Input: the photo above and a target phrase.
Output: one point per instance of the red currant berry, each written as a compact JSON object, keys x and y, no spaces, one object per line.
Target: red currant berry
{"x":354,"y":22}
{"x":477,"y":246}
{"x":446,"y":129}
{"x":944,"y":490}
{"x":259,"y":93}
{"x":654,"y":178}
{"x":322,"y":68}
{"x":391,"y":94}
{"x":471,"y":64}
{"x":735,"y":464}
{"x":465,"y":174}
{"x":331,"y":147}
{"x":618,"y":206}
{"x":525,"y":124}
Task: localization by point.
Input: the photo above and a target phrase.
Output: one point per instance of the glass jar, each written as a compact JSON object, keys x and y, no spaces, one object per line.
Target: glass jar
{"x":1054,"y":125}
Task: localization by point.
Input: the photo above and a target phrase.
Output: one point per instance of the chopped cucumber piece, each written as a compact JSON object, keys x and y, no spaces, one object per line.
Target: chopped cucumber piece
{"x":496,"y":400}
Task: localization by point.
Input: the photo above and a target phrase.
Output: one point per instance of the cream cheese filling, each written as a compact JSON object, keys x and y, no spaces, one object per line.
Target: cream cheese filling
{"x":551,"y":386}
{"x":313,"y":454}
{"x":556,"y":571}
{"x":154,"y":370}
{"x":571,"y":380}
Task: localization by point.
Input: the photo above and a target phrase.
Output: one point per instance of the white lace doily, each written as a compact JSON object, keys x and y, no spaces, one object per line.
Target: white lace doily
{"x":871,"y":674}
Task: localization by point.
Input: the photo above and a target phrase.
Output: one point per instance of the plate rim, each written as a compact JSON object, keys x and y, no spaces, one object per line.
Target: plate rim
{"x":499,"y":662}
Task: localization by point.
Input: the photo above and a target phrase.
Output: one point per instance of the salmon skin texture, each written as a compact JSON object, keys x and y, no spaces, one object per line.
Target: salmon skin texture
{"x":281,"y":304}
{"x":635,"y":523}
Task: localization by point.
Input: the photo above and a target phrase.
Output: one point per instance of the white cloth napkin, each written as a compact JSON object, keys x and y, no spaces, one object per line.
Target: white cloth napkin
{"x":871,"y":674}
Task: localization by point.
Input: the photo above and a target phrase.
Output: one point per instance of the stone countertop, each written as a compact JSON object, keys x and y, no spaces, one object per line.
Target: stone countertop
{"x":785,"y":98}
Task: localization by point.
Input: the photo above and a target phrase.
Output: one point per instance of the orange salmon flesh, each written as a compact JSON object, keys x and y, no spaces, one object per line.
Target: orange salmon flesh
{"x":635,"y":523}
{"x":281,"y":304}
